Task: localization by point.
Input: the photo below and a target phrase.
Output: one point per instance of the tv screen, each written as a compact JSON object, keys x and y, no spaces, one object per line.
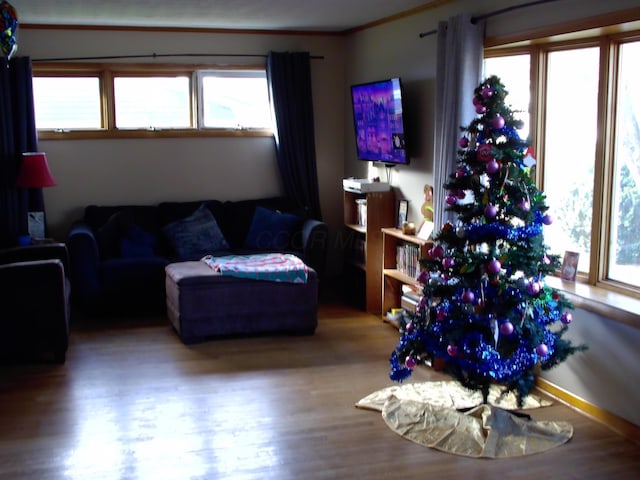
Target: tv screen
{"x":378,"y":120}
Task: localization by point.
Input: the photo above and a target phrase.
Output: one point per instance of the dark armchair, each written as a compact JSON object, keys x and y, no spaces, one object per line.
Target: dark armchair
{"x":34,"y":322}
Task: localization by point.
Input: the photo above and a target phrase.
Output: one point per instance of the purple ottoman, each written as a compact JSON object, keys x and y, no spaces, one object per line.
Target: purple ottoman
{"x":202,"y":303}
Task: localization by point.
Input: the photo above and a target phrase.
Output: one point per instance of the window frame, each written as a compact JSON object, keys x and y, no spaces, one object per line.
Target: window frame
{"x":604,"y":167}
{"x":106,"y":72}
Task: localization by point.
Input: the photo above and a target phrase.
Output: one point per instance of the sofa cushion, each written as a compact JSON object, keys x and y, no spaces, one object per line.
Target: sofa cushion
{"x":196,"y":235}
{"x":138,"y":243}
{"x":110,"y":234}
{"x":238,"y":216}
{"x":271,"y":230}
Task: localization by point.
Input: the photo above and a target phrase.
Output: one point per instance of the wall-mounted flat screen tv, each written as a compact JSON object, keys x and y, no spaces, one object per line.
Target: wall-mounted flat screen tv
{"x":379,"y":122}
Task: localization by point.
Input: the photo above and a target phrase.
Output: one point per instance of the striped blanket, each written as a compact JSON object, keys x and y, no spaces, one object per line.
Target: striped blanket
{"x":274,"y":267}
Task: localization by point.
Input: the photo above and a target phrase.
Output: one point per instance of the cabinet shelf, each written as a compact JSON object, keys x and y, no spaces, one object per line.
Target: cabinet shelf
{"x":357,"y":228}
{"x":400,"y":276}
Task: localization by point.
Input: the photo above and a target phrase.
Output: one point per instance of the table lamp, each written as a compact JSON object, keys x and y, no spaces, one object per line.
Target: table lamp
{"x":35,"y":173}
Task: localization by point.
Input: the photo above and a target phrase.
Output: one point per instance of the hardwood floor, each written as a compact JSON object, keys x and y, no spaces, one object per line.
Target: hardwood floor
{"x":133,"y":402}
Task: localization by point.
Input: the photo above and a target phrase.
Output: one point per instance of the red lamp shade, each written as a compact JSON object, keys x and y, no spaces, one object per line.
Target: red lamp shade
{"x":35,"y":171}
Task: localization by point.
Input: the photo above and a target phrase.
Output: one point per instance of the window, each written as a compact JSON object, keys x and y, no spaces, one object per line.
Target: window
{"x":584,"y":112}
{"x":96,"y":101}
{"x":624,"y":250}
{"x":570,"y":125}
{"x":235,"y":99}
{"x":152,"y":102}
{"x":67,"y":103}
{"x":513,"y":70}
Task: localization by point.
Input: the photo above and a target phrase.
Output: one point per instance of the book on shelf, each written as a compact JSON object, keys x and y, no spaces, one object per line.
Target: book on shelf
{"x":408,"y":259}
{"x":409,"y":304}
{"x":412,"y":290}
{"x":410,"y":298}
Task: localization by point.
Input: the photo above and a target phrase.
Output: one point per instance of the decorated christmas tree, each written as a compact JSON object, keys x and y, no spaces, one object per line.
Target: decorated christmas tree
{"x":486,"y":310}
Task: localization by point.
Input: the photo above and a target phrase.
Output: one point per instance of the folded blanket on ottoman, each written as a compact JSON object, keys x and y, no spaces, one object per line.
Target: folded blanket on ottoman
{"x":275,"y":267}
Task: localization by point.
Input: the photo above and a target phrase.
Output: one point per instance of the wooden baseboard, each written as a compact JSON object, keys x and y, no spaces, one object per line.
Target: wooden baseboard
{"x":616,"y":423}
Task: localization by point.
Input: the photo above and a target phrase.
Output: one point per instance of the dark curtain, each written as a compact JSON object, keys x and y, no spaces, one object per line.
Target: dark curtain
{"x":17,"y":135}
{"x":289,"y":78}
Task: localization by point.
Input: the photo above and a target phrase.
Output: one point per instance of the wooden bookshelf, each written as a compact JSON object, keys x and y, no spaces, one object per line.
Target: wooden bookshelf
{"x":363,"y":248}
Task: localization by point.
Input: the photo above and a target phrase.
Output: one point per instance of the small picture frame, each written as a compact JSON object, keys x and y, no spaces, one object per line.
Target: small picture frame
{"x":403,"y":208}
{"x":569,"y":266}
{"x":36,"y":224}
{"x":426,"y":229}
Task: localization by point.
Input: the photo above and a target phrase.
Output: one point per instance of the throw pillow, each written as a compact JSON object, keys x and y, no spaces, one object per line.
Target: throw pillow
{"x":271,"y":230}
{"x":195,"y":236}
{"x":138,"y":243}
{"x":108,"y":236}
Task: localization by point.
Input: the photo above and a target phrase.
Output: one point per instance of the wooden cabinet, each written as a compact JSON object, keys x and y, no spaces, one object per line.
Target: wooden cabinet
{"x":395,"y":246}
{"x":363,"y":246}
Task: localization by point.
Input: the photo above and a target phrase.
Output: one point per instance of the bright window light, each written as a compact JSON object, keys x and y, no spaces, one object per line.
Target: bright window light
{"x":235,"y":99}
{"x":152,"y":102}
{"x":67,"y":103}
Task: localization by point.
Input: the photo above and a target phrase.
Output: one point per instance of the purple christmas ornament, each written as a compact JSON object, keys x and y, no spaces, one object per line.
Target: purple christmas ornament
{"x":566,"y":318}
{"x":452,"y":350}
{"x":490,"y":211}
{"x":542,"y":350}
{"x":410,"y":362}
{"x":493,"y":166}
{"x":436,"y":252}
{"x":423,"y":276}
{"x":547,"y":219}
{"x":468,"y":296}
{"x":497,"y":122}
{"x":506,"y":328}
{"x":533,"y":288}
{"x":494,"y":266}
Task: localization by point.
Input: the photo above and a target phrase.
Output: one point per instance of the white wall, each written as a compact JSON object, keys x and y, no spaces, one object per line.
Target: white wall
{"x":605,"y":375}
{"x":145,"y":171}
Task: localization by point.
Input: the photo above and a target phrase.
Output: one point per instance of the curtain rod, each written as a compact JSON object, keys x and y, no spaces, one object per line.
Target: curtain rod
{"x":160,"y":55}
{"x":495,"y":13}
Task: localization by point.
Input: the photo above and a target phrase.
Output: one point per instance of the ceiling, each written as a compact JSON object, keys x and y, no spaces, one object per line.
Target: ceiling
{"x":296,"y":15}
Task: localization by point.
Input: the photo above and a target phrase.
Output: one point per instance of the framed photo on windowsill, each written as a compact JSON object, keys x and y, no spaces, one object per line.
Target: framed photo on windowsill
{"x":403,"y":208}
{"x":569,"y":266}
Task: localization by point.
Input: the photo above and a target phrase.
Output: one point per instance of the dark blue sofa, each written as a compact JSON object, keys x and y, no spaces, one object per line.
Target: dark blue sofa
{"x":118,"y":254}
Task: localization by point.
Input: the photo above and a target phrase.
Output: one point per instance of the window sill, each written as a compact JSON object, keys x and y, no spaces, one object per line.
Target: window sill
{"x":168,"y":133}
{"x":616,"y":306}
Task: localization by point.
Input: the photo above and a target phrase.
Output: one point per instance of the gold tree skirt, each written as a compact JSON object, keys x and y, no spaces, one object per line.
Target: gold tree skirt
{"x":429,"y":414}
